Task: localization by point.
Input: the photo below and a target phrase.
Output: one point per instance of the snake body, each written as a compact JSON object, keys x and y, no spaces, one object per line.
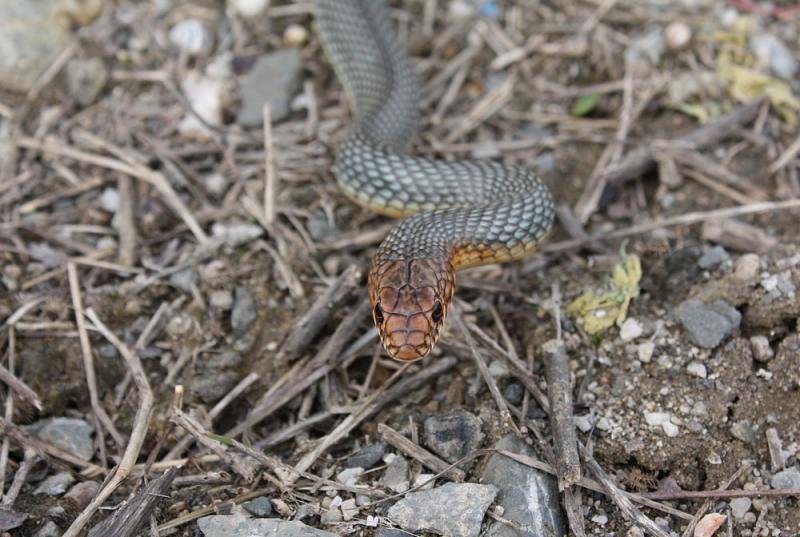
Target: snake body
{"x":462,"y":213}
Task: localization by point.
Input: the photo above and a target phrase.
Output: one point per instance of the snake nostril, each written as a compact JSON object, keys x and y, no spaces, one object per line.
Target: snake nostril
{"x":378,"y":314}
{"x":438,"y":312}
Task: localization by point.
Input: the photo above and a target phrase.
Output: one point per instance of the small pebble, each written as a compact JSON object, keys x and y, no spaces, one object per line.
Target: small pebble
{"x":191,"y":36}
{"x":55,"y":485}
{"x":350,"y":476}
{"x":295,"y":35}
{"x":746,"y":267}
{"x":49,"y":529}
{"x":670,"y":429}
{"x":248,"y":8}
{"x":600,"y":520}
{"x":109,"y":200}
{"x":603,"y":424}
{"x":81,"y":494}
{"x":774,"y":54}
{"x":744,"y":431}
{"x":645,"y":351}
{"x":786,"y":479}
{"x":221,"y":299}
{"x":740,"y":506}
{"x":630,"y":329}
{"x":713,"y":257}
{"x":259,"y":507}
{"x":697,"y":369}
{"x":656,"y":418}
{"x":583,"y":423}
{"x":761,"y":348}
{"x":677,"y":34}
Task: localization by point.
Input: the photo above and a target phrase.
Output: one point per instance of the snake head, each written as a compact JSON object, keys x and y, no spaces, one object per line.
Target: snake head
{"x":409,"y":301}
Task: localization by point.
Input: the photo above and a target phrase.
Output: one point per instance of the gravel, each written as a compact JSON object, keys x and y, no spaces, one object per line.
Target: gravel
{"x":707,"y":325}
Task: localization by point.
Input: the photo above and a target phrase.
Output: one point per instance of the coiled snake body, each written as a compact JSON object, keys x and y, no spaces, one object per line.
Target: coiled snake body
{"x":465,"y":213}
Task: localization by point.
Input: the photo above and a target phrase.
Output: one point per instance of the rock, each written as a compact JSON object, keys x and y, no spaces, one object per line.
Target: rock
{"x":740,"y":506}
{"x":274,"y":79}
{"x":670,"y":429}
{"x":11,"y":519}
{"x":656,"y":418}
{"x":248,"y":8}
{"x":697,"y":369}
{"x":747,"y":267}
{"x":221,"y":298}
{"x":453,"y":435}
{"x":49,"y":529}
{"x":206,"y":95}
{"x":452,"y":510}
{"x":709,"y":524}
{"x":396,"y":475}
{"x":630,"y":329}
{"x":708,"y":324}
{"x":366,"y":457}
{"x":677,"y":35}
{"x":236,"y":233}
{"x":761,"y":348}
{"x":33,"y":34}
{"x":210,"y":388}
{"x":244,"y":312}
{"x":349,"y":510}
{"x":388,"y":532}
{"x":260,"y":507}
{"x":713,"y":258}
{"x":583,"y":423}
{"x":600,"y":520}
{"x":238,"y":526}
{"x":786,"y":479}
{"x":743,"y":430}
{"x":86,"y":79}
{"x":645,"y":351}
{"x":192,"y":37}
{"x":55,"y":485}
{"x":646,"y":49}
{"x":350,"y":476}
{"x":774,"y":54}
{"x":513,"y":393}
{"x":82,"y":494}
{"x":72,"y":435}
{"x":295,"y":35}
{"x":528,"y":497}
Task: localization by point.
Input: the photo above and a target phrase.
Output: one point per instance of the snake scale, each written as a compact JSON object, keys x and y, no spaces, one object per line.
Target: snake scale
{"x":460,"y":213}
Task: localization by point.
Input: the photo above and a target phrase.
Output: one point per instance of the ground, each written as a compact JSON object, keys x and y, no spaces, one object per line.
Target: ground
{"x":121,"y":208}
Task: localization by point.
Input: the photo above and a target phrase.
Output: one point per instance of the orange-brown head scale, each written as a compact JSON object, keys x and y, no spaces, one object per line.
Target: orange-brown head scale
{"x":410,"y":299}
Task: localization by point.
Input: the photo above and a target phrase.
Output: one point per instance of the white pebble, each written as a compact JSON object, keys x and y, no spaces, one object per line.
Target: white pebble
{"x":600,"y":520}
{"x":677,"y":35}
{"x":295,"y":35}
{"x":630,"y":329}
{"x":746,"y":267}
{"x":656,"y":418}
{"x":191,"y":36}
{"x":221,"y":299}
{"x":248,"y":8}
{"x":697,"y":369}
{"x":670,"y":429}
{"x":761,"y":349}
{"x":350,"y":476}
{"x":372,"y":521}
{"x":645,"y":351}
{"x":109,"y":200}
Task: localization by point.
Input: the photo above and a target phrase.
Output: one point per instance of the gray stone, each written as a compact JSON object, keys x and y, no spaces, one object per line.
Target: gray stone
{"x":49,"y":529}
{"x":453,"y":435}
{"x":11,"y":519}
{"x":366,"y":457}
{"x":396,"y":475}
{"x":86,"y":79}
{"x":708,"y":324}
{"x":260,"y":507}
{"x":740,"y":506}
{"x":452,"y":510}
{"x":647,"y":48}
{"x":773,"y":53}
{"x":528,"y":497}
{"x":33,"y":34}
{"x":72,"y":435}
{"x":513,"y":393}
{"x":743,"y":430}
{"x":237,"y":526}
{"x":244,"y":311}
{"x":55,"y":485}
{"x":212,"y":387}
{"x":274,"y":79}
{"x":787,"y":479}
{"x":713,"y":258}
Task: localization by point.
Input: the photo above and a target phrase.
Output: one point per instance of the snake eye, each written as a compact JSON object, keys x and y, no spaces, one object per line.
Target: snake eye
{"x":437,"y":313}
{"x":378,"y":314}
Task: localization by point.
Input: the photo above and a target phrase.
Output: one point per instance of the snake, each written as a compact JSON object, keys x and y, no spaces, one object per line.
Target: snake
{"x":456,"y":213}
